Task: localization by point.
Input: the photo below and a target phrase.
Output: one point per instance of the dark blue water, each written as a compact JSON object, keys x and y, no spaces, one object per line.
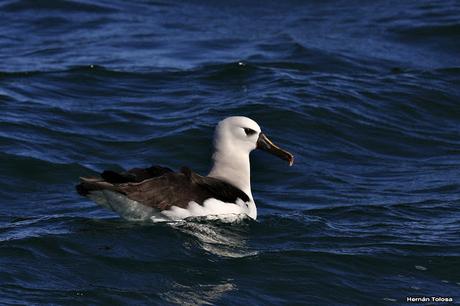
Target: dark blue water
{"x":366,"y":94}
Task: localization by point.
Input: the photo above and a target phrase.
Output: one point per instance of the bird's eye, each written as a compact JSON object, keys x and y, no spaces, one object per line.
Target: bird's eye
{"x":249,"y":131}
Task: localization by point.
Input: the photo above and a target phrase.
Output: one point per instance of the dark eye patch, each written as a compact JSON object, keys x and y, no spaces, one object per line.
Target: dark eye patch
{"x":249,"y":131}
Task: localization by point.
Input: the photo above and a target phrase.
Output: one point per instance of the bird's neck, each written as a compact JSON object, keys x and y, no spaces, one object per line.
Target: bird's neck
{"x":232,"y":168}
{"x":236,"y":170}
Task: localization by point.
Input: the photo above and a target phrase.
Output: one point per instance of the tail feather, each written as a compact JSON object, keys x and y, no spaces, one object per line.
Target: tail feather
{"x":109,"y":196}
{"x":107,"y":191}
{"x":93,"y":184}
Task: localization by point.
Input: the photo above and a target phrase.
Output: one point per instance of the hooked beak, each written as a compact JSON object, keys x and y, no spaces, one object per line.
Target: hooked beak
{"x":265,"y":144}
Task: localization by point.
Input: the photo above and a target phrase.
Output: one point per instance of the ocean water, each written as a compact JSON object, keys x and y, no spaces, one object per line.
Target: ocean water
{"x":365,"y":94}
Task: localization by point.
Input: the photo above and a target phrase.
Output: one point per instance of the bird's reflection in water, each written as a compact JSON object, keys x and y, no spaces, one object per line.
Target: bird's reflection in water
{"x":198,"y":294}
{"x":224,"y":236}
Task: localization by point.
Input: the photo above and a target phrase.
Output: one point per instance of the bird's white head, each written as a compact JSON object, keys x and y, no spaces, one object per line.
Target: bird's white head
{"x":234,"y":138}
{"x":236,"y":135}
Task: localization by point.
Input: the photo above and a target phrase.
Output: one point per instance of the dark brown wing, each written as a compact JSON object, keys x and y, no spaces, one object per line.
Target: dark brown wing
{"x":219,"y":189}
{"x":170,"y":189}
{"x":134,"y":175}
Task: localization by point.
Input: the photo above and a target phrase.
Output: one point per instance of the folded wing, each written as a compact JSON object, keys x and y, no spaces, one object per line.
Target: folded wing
{"x":161,"y":188}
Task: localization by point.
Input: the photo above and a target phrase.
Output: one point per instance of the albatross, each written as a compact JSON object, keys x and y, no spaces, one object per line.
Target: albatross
{"x":161,"y":195}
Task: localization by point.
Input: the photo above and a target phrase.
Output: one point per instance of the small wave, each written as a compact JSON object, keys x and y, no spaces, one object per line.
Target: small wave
{"x":50,"y":5}
{"x":30,"y":168}
{"x":423,"y":31}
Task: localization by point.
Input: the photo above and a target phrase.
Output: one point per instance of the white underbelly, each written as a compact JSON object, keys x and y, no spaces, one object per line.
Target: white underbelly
{"x":134,"y":211}
{"x":210,"y":207}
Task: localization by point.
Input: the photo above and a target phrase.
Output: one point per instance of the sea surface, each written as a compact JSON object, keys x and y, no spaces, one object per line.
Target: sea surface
{"x":365,"y":94}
